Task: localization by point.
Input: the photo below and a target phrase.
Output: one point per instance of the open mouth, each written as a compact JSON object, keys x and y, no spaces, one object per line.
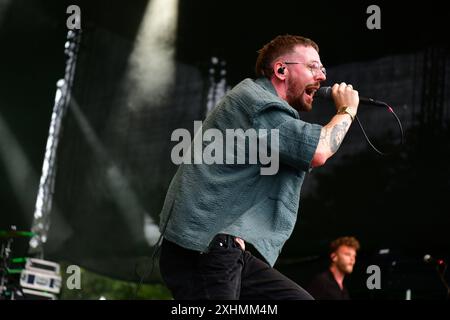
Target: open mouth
{"x":311,"y":91}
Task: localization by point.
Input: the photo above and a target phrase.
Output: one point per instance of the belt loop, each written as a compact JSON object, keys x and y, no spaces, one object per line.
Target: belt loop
{"x":231,"y":241}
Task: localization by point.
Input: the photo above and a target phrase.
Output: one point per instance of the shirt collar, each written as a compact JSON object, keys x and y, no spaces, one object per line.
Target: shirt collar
{"x":267,"y":85}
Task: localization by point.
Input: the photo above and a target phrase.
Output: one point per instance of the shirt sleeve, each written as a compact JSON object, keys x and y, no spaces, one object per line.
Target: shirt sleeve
{"x":298,"y":140}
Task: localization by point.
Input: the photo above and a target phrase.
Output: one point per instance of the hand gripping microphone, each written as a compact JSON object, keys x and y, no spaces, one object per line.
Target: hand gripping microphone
{"x":325,"y":93}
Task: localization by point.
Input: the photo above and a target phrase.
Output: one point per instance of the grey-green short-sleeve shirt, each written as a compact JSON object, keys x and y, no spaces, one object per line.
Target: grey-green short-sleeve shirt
{"x":206,"y":199}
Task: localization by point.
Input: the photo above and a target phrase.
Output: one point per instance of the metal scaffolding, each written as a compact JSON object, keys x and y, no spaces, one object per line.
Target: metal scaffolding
{"x":43,"y":207}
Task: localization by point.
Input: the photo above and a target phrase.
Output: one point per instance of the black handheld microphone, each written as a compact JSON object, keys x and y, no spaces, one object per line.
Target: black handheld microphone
{"x":325,"y":93}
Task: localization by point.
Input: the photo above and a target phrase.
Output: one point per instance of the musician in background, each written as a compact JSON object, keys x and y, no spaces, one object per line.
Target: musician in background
{"x":329,"y":285}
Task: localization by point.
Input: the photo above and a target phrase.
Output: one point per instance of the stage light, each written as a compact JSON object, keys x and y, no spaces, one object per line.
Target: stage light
{"x":151,"y":66}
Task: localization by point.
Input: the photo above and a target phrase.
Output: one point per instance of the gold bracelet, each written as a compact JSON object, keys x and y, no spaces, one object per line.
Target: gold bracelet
{"x":343,"y":110}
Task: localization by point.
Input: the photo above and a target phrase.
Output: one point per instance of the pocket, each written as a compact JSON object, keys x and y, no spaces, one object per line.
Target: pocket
{"x":222,"y":257}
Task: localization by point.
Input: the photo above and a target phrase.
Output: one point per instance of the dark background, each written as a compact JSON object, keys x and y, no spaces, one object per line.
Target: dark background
{"x":397,"y":202}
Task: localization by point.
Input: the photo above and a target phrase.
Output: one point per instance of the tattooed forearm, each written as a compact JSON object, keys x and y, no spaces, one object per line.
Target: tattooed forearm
{"x":331,"y":136}
{"x":337,"y":135}
{"x":323,"y":133}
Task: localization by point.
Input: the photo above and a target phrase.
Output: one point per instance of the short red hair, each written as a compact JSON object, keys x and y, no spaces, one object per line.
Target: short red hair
{"x":279,"y":46}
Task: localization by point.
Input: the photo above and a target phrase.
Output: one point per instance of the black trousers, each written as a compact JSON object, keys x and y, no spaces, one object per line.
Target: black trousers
{"x":225,"y":272}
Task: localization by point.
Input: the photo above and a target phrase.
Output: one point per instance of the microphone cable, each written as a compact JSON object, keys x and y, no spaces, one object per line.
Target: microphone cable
{"x":326,"y":93}
{"x":156,"y":251}
{"x":144,"y":275}
{"x":399,"y":125}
